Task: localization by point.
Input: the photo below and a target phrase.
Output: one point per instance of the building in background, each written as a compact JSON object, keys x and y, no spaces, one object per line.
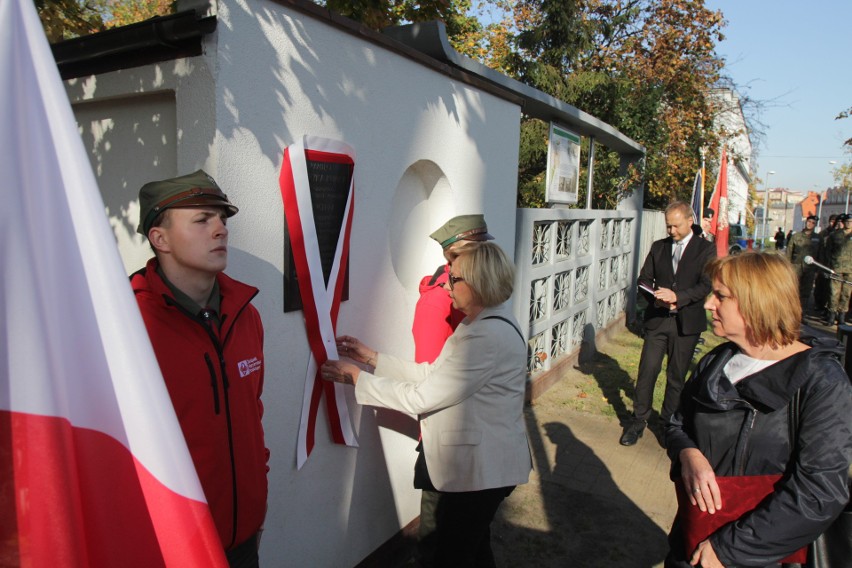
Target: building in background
{"x":731,"y":124}
{"x":835,"y":201}
{"x":808,"y":206}
{"x":783,"y":211}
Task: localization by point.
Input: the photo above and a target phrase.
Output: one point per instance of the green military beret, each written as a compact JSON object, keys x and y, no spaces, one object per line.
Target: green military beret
{"x":462,"y":228}
{"x":192,"y":190}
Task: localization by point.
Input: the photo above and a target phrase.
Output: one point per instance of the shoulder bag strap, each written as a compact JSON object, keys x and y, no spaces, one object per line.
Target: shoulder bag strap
{"x":518,"y":331}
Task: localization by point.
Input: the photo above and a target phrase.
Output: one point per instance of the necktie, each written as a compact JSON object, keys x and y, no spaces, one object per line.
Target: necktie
{"x":676,"y":256}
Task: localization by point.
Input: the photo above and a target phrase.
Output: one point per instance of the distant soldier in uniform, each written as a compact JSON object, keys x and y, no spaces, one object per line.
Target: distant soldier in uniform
{"x":822,"y":290}
{"x":802,"y":244}
{"x":841,"y":263}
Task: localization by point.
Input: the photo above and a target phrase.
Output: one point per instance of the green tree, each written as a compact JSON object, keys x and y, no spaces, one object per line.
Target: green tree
{"x":643,"y":66}
{"x":65,"y":19}
{"x":463,"y":28}
{"x":124,"y":12}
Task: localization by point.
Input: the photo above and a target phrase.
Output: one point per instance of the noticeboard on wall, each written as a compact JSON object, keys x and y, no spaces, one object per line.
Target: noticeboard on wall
{"x":562,"y":182}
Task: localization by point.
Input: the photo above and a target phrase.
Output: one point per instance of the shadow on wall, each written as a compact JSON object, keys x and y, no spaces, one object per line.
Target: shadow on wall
{"x":130,"y":141}
{"x":284,"y":385}
{"x":349,"y":106}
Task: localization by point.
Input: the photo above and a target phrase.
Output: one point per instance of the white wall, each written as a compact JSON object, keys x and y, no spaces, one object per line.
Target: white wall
{"x":427,"y":148}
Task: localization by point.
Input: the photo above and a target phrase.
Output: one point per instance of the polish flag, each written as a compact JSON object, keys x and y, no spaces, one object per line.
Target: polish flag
{"x":719,"y":204}
{"x":94,"y":470}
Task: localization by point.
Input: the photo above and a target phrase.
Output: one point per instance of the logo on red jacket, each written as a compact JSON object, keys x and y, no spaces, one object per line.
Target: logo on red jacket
{"x":249,"y":366}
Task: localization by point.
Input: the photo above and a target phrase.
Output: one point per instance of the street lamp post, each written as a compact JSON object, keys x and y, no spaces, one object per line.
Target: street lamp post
{"x":703,"y":151}
{"x":819,"y":212}
{"x":786,"y":202}
{"x":766,"y":205}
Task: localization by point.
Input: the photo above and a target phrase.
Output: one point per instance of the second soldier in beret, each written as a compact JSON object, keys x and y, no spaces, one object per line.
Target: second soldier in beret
{"x":840,"y":260}
{"x":803,"y":244}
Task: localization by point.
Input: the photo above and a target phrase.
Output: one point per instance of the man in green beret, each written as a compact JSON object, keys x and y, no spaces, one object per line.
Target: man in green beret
{"x":208,"y":339}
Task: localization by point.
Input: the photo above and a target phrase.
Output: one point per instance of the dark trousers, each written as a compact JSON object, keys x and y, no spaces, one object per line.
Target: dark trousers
{"x":806,"y":285}
{"x":244,"y":555}
{"x":821,"y":292}
{"x":455,"y":528}
{"x":663,"y":341}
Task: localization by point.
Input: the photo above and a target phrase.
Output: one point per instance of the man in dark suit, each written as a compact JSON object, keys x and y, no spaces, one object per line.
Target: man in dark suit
{"x":675,"y":318}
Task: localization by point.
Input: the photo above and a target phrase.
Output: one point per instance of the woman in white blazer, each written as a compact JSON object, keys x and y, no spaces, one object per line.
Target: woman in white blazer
{"x":470,"y":405}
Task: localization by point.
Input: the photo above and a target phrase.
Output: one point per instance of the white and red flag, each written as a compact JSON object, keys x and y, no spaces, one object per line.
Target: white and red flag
{"x":94,"y":470}
{"x":320,"y":284}
{"x":719,"y":204}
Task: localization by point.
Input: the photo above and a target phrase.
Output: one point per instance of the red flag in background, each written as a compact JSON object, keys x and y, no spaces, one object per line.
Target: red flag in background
{"x":94,"y":470}
{"x":719,"y":204}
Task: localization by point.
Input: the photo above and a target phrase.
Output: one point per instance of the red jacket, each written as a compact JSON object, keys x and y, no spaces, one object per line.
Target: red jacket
{"x":435,"y":318}
{"x":215,"y":379}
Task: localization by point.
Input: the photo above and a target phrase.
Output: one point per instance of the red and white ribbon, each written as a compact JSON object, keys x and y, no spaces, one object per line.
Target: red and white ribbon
{"x":320,"y":302}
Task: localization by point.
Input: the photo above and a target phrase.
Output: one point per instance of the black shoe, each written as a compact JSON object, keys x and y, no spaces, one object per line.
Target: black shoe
{"x":632,"y":433}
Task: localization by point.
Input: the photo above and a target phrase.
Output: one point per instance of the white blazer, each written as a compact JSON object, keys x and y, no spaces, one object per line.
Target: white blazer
{"x":470,"y":402}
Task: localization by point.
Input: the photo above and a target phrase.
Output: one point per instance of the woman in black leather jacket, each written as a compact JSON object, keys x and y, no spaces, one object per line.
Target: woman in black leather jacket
{"x":736,"y":418}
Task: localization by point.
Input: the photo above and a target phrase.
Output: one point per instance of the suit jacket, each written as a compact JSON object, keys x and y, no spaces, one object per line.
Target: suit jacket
{"x":470,"y":403}
{"x":690,"y":283}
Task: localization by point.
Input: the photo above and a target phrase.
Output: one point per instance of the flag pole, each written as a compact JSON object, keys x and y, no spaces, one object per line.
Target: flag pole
{"x":703,"y":151}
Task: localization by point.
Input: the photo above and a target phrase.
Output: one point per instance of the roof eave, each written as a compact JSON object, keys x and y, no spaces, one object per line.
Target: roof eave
{"x":157,"y":39}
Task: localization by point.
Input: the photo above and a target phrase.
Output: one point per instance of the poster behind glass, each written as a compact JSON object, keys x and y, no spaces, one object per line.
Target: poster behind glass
{"x":562,"y":183}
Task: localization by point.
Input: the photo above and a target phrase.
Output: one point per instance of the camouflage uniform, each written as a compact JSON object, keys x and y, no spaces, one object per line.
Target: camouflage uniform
{"x":805,"y":243}
{"x":822,"y":290}
{"x":841,"y":263}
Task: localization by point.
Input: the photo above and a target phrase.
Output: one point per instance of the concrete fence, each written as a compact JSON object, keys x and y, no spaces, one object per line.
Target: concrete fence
{"x":575,"y":278}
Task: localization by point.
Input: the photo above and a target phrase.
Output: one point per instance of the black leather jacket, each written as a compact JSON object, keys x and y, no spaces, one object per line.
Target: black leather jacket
{"x":744,"y":429}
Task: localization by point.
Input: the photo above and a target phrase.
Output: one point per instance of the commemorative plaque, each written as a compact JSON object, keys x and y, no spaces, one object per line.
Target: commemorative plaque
{"x":329,"y":187}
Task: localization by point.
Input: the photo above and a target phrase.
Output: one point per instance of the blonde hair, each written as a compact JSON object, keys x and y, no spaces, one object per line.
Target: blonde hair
{"x":454,"y":250}
{"x":767,"y":291}
{"x":488,"y":271}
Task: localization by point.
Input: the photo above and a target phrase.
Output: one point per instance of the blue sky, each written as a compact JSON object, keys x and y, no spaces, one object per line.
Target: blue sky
{"x":796,"y":56}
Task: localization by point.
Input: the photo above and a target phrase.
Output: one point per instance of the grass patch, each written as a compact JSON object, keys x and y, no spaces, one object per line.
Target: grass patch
{"x":605,"y":386}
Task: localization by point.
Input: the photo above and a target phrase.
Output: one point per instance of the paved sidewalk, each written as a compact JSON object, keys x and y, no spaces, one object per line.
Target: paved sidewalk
{"x":590,"y":502}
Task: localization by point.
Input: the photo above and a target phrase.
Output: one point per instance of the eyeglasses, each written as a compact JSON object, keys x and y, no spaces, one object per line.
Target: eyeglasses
{"x":453,"y":279}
